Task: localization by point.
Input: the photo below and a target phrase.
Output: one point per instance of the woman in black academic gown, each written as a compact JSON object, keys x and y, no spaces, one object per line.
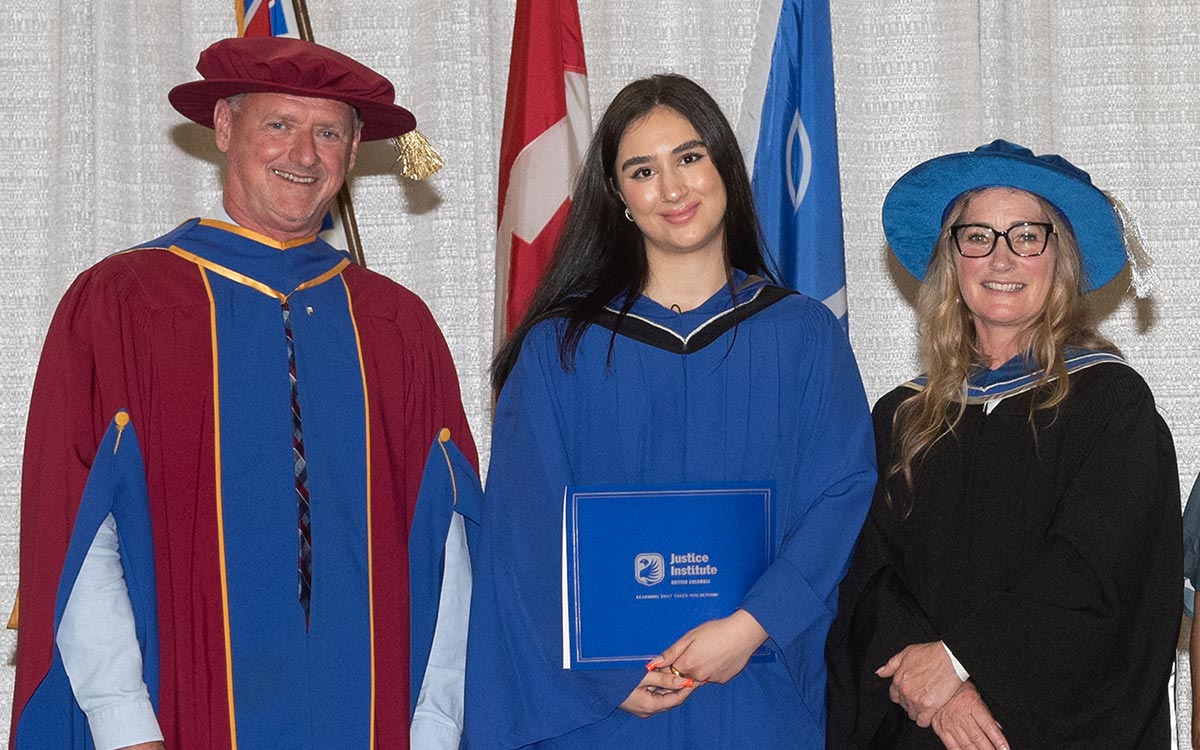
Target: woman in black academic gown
{"x":1016,"y":583}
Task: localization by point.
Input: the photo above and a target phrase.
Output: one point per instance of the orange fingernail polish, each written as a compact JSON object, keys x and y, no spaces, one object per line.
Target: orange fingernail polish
{"x":689,"y":682}
{"x":651,"y":666}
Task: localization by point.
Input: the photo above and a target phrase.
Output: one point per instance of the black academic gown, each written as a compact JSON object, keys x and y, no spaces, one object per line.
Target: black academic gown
{"x":1046,"y":555}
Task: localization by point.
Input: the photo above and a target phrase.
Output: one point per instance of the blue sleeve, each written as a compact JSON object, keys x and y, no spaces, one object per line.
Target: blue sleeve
{"x":97,"y":640}
{"x":517,"y":691}
{"x":795,"y":600}
{"x":116,"y":489}
{"x":444,"y":524}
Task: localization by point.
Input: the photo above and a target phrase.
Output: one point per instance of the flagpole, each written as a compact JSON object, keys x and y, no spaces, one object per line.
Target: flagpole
{"x":302,"y":20}
{"x":345,"y":205}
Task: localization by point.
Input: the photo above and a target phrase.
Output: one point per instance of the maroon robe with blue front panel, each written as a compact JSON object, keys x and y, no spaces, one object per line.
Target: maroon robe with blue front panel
{"x":186,"y":333}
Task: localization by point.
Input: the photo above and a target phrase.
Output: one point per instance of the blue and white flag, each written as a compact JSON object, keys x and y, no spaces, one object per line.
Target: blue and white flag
{"x":788,"y":131}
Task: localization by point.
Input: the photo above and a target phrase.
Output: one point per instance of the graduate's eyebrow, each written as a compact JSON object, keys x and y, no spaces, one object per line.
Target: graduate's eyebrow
{"x":688,"y":145}
{"x":685,"y":146}
{"x":633,"y":161}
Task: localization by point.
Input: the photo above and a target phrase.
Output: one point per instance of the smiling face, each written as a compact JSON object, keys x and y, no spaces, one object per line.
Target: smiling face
{"x":286,"y":160}
{"x":671,"y":186}
{"x":1005,"y":293}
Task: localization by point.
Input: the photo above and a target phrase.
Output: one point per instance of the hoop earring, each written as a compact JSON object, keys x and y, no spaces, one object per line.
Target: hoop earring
{"x":628,"y":216}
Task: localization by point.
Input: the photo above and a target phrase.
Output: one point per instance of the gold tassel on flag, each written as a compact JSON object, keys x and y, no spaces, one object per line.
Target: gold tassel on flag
{"x":415,"y":156}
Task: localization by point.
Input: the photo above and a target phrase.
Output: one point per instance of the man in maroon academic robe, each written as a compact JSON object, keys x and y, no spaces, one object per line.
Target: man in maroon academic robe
{"x":234,"y":573}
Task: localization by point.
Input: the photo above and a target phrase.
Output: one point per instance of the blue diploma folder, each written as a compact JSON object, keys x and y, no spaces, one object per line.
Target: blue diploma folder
{"x":643,"y":564}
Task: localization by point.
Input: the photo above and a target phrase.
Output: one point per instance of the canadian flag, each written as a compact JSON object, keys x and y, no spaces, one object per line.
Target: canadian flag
{"x":547,"y":126}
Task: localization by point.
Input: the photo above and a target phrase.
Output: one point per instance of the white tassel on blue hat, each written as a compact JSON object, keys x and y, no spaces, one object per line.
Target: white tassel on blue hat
{"x":1142,"y":275}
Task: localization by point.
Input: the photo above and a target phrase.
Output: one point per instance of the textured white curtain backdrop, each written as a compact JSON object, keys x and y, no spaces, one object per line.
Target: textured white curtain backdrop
{"x":97,"y":160}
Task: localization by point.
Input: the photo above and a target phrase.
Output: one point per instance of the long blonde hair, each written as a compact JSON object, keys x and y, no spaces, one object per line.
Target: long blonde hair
{"x":949,"y":350}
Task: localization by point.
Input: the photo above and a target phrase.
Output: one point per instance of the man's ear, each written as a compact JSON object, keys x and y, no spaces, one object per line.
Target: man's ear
{"x":354,"y":151}
{"x":222,"y":124}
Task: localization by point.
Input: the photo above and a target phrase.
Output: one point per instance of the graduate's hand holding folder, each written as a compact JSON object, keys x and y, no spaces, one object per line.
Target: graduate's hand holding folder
{"x":660,"y":690}
{"x":714,"y":651}
{"x":648,"y":565}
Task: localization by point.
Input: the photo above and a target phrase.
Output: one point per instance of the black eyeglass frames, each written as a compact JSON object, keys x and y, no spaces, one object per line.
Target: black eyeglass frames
{"x":1027,"y":239}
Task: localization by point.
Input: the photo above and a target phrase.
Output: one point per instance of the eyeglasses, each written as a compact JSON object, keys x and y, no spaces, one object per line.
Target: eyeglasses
{"x":1027,"y":239}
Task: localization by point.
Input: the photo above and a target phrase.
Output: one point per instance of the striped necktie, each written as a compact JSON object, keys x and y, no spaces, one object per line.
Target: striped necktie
{"x":303,"y":513}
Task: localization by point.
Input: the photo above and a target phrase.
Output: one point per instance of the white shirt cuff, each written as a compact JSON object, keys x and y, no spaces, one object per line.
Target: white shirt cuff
{"x":959,"y":669}
{"x":124,"y":724}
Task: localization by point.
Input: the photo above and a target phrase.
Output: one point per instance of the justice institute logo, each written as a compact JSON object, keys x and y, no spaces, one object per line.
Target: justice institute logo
{"x":649,"y":568}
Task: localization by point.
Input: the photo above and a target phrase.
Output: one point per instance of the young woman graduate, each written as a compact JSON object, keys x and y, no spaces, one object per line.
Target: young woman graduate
{"x":657,"y":352}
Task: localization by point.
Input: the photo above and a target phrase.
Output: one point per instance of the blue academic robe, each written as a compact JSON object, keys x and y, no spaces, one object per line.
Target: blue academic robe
{"x":760,"y":385}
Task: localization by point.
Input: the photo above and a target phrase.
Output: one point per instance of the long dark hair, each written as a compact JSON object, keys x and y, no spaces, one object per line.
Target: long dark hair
{"x":600,"y":255}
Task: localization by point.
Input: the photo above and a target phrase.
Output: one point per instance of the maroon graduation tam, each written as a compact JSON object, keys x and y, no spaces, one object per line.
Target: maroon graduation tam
{"x":282,"y":65}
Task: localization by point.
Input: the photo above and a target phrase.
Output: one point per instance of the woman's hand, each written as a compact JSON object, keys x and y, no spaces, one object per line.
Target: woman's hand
{"x":657,"y":692}
{"x":965,"y":723}
{"x":923,"y":680}
{"x":717,"y":650}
